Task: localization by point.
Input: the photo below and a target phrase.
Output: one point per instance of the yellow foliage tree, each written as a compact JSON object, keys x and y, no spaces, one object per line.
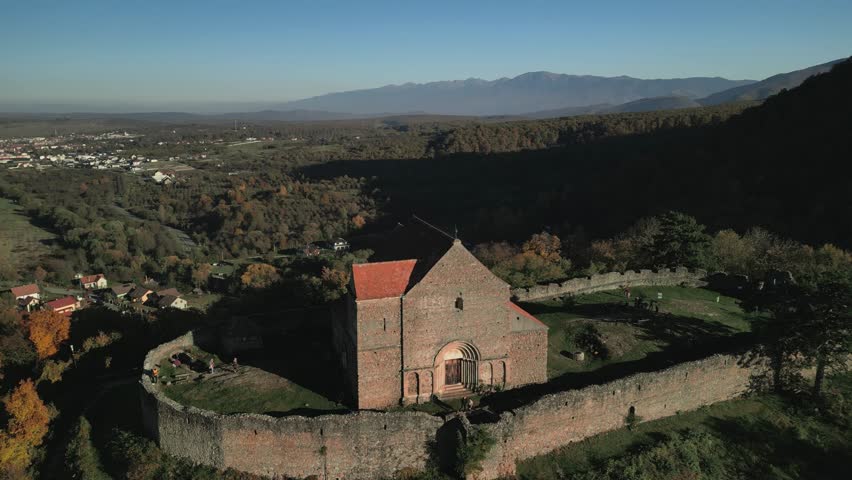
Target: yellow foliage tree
{"x":48,"y":330}
{"x":28,"y":424}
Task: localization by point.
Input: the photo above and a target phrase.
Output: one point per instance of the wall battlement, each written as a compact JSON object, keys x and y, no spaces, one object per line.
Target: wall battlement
{"x":613,"y":280}
{"x":366,"y":444}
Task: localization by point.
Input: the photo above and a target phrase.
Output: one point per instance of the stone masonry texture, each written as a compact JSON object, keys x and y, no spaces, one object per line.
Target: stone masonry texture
{"x":368,"y":445}
{"x":611,"y":281}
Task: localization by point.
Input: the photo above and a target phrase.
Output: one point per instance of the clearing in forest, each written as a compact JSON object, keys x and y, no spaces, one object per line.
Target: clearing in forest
{"x":22,"y":244}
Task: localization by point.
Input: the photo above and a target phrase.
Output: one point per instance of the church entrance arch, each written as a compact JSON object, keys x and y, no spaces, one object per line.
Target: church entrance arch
{"x":457,"y":363}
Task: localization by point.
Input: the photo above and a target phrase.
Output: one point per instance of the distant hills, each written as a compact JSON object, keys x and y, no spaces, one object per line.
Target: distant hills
{"x":767,"y":87}
{"x":535,"y":95}
{"x":529,"y":92}
{"x":673,"y":102}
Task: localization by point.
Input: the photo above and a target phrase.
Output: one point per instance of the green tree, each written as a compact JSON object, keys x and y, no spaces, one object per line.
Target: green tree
{"x":827,"y":328}
{"x":681,"y":241}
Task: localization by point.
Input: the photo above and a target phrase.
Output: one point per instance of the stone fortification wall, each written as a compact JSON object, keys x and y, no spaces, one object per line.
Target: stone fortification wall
{"x":612,"y":280}
{"x":355,"y":446}
{"x":562,"y":418}
{"x":367,"y":445}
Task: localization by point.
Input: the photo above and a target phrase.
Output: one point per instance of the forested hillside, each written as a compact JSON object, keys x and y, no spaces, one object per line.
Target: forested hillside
{"x":782,"y":164}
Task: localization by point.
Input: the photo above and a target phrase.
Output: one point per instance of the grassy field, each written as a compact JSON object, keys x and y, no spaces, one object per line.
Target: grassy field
{"x":765,"y":436}
{"x":686,"y":316}
{"x":249,"y":390}
{"x":22,"y":244}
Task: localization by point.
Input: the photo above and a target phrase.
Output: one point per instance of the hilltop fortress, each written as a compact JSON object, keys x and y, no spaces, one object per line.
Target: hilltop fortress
{"x":428,"y":320}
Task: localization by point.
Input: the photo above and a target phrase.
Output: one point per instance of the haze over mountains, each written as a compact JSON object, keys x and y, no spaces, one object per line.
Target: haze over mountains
{"x":530,"y":95}
{"x":528,"y":92}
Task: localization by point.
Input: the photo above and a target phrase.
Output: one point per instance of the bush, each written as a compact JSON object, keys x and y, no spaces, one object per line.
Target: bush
{"x":590,"y":339}
{"x":471,"y":450}
{"x":81,"y":458}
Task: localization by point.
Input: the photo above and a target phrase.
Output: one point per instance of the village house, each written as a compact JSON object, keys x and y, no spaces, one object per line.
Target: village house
{"x":139,"y":295}
{"x":93,"y":282}
{"x":430,"y":319}
{"x":26,"y":291}
{"x":169,"y":292}
{"x":165,"y":177}
{"x":28,"y":303}
{"x":171,"y":301}
{"x":65,"y":305}
{"x":339,"y":245}
{"x":121,"y":291}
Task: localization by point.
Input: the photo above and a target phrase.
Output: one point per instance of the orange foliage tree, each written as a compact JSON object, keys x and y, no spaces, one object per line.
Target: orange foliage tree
{"x":28,"y":424}
{"x":259,"y":275}
{"x":48,"y":330}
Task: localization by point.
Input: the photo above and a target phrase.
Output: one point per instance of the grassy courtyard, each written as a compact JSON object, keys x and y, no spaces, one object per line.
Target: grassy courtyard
{"x":245,"y":389}
{"x":608,"y":323}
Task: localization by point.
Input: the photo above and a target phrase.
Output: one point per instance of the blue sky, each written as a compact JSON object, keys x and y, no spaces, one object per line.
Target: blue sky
{"x":162,"y":52}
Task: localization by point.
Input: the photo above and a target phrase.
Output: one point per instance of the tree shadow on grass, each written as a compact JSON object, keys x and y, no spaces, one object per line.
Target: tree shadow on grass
{"x":766,"y":449}
{"x":685,"y":339}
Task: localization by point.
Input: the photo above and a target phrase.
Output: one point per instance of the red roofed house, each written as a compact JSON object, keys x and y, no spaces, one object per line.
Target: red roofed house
{"x":25,"y":291}
{"x":432,"y":320}
{"x":65,"y":305}
{"x":93,"y":282}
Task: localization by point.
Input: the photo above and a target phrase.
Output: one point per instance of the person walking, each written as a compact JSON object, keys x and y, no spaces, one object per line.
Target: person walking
{"x":212,"y":366}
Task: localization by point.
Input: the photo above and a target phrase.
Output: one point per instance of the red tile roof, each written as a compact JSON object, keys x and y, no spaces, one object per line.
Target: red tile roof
{"x":24,"y":290}
{"x":381,"y":279}
{"x":525,"y":313}
{"x":169,"y":292}
{"x":61,"y":303}
{"x":90,"y":278}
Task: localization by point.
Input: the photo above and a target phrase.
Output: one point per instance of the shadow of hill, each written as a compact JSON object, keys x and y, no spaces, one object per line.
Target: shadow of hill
{"x":710,"y":172}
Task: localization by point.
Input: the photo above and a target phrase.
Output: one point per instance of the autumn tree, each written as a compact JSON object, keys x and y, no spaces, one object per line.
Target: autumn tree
{"x":358,"y":221}
{"x":334,"y":283}
{"x":27,"y":426}
{"x":48,"y":330}
{"x":545,"y":245}
{"x":40,"y":274}
{"x":259,"y":275}
{"x":201,"y":274}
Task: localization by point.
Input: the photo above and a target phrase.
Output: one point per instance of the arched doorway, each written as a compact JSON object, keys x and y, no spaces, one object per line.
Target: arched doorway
{"x":457,"y":364}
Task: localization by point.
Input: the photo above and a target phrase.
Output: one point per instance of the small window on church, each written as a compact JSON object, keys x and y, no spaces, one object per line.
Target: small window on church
{"x":459,"y":303}
{"x":385,"y":324}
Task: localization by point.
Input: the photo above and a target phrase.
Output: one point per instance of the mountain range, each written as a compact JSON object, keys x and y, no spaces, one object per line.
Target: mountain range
{"x":529,"y":92}
{"x":534,"y":95}
{"x":530,"y":95}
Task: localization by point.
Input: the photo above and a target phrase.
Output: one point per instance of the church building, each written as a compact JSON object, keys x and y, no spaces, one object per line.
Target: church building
{"x":427,"y":318}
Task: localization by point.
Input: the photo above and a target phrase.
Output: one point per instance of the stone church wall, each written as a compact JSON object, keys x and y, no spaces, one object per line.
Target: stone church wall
{"x":528,"y":354}
{"x":611,"y":281}
{"x":378,"y":344}
{"x":366,"y":445}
